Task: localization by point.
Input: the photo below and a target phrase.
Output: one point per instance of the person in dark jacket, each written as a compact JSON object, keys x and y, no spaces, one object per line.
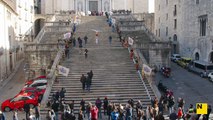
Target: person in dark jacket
{"x":62,"y":93}
{"x":106,"y":103}
{"x":55,"y":107}
{"x":88,"y":82}
{"x":83,"y":81}
{"x":98,"y":103}
{"x":109,"y":110}
{"x":83,"y":107}
{"x":27,"y":110}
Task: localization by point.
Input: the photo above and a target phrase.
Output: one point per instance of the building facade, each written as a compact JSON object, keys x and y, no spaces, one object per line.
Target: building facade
{"x":8,"y":28}
{"x":188,"y":24}
{"x":16,"y":18}
{"x":136,"y":6}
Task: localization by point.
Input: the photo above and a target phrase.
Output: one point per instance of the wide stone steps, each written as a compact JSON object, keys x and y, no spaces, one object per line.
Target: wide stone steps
{"x":114,"y":76}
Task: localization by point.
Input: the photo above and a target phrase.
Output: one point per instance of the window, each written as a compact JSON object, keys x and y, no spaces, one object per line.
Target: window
{"x":175,"y":10}
{"x":166,"y":31}
{"x":203,"y":21}
{"x":175,"y":37}
{"x":197,"y":1}
{"x":167,"y":16}
{"x":159,"y":33}
{"x":175,"y":23}
{"x":8,"y":15}
{"x":197,"y":65}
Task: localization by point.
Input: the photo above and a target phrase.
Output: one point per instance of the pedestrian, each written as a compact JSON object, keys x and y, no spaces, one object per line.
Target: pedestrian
{"x":83,"y":107}
{"x":37,"y":112}
{"x":94,"y":113}
{"x":74,"y":28}
{"x":96,"y":37}
{"x":109,"y":110}
{"x":88,"y":82}
{"x":106,"y":103}
{"x":62,"y":93}
{"x":114,"y":114}
{"x":85,"y":39}
{"x":110,"y":40}
{"x":88,"y":108}
{"x":80,"y":115}
{"x":98,"y":103}
{"x":85,"y":53}
{"x":72,"y":106}
{"x":91,"y":75}
{"x":2,"y":116}
{"x":138,"y":106}
{"x":83,"y":81}
{"x":15,"y":116}
{"x":121,"y":112}
{"x":27,"y":110}
{"x":74,"y":41}
{"x":67,"y":52}
{"x":80,"y":44}
{"x":57,"y":95}
{"x":55,"y":107}
{"x":128,"y":112}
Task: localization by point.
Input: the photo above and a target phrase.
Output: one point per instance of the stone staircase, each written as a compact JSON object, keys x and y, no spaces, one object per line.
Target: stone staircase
{"x":114,"y":72}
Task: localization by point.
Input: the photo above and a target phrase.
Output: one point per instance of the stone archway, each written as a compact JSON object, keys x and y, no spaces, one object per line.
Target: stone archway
{"x":197,"y":56}
{"x":38,"y":24}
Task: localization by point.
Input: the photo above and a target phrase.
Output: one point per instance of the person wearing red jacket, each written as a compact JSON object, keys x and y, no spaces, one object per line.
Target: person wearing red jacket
{"x":94,"y":113}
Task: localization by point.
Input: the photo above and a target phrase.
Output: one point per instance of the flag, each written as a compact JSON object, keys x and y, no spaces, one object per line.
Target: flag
{"x":67,"y":35}
{"x":146,"y":69}
{"x":63,"y":70}
{"x":130,"y":41}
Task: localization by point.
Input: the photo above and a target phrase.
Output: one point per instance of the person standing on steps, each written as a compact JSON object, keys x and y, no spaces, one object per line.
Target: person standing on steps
{"x":88,"y":82}
{"x":98,"y":103}
{"x":91,"y":75}
{"x":85,"y":39}
{"x":83,"y":106}
{"x":80,"y":44}
{"x":85,"y":53}
{"x":110,"y":40}
{"x":96,"y":38}
{"x":106,"y":103}
{"x":74,"y":42}
{"x":83,"y":81}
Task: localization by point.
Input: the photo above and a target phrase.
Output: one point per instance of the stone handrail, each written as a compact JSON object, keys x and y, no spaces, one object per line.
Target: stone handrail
{"x":51,"y":76}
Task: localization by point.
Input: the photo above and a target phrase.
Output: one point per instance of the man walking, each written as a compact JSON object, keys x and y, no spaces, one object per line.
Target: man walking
{"x":85,"y":53}
{"x":110,"y":40}
{"x":88,"y":82}
{"x":85,"y":39}
{"x":98,"y":103}
{"x":83,"y":81}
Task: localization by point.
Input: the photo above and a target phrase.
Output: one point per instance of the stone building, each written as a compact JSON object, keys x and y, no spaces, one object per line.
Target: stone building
{"x":188,"y":24}
{"x":136,"y":6}
{"x":16,"y":18}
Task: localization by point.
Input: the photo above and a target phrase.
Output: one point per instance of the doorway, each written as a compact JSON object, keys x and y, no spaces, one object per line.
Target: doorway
{"x":93,"y":6}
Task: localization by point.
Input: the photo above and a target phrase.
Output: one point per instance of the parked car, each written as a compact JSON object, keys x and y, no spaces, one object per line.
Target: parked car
{"x":36,"y":91}
{"x":18,"y":102}
{"x":38,"y":78}
{"x":41,"y":84}
{"x":175,"y":57}
{"x":200,"y":67}
{"x":184,"y":61}
{"x":210,"y":76}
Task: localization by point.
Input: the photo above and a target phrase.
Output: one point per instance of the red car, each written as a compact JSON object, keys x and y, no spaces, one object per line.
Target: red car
{"x":36,"y":91}
{"x":38,"y":78}
{"x":18,"y":102}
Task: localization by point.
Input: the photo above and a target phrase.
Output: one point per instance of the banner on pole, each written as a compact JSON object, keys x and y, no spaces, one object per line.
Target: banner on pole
{"x":130,"y":41}
{"x":63,"y":70}
{"x":146,"y":69}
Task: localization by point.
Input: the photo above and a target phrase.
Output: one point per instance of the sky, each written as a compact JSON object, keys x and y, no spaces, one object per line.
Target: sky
{"x":151,"y":6}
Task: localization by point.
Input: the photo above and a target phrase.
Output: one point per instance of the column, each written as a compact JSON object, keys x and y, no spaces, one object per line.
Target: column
{"x":85,"y":7}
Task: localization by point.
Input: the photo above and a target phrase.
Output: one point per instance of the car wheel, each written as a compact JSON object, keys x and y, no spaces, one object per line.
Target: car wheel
{"x":31,"y":105}
{"x":7,"y":109}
